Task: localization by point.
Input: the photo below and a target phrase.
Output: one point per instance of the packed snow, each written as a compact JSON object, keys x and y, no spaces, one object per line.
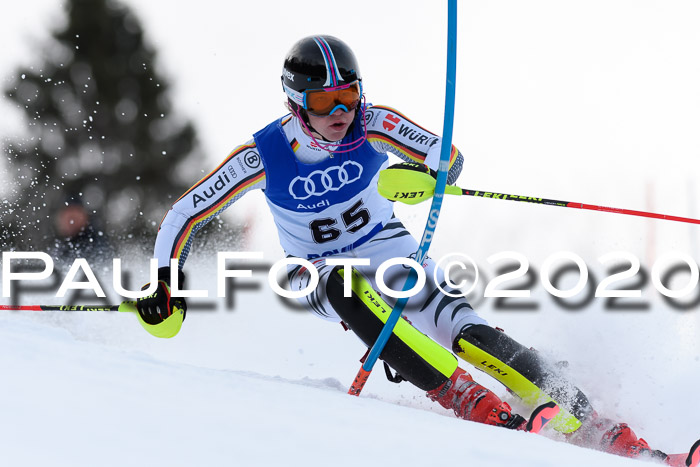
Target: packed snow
{"x":257,"y":382}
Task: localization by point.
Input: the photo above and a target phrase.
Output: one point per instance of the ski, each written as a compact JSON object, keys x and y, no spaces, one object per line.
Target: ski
{"x":541,"y":416}
{"x":690,"y":459}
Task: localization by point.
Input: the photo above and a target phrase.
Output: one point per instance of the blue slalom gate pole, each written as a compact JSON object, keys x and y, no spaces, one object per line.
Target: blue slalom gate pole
{"x":426,"y":240}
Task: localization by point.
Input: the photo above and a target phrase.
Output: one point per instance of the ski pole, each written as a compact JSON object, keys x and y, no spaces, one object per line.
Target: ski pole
{"x":392,"y":185}
{"x":438,"y":190}
{"x":569,"y":204}
{"x":169,"y":327}
{"x":65,"y":307}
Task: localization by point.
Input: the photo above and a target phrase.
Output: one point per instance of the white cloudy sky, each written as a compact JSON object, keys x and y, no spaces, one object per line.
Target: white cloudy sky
{"x":594,"y":101}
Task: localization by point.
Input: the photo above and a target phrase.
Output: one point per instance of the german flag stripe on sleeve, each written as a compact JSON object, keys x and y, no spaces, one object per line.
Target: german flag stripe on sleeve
{"x":233,"y":154}
{"x":394,"y":111}
{"x":415,"y":156}
{"x":200,"y":219}
{"x":403,"y":136}
{"x":453,"y":155}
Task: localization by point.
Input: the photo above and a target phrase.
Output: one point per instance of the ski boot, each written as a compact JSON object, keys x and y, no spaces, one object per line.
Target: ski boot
{"x":621,"y":440}
{"x":618,"y":438}
{"x":472,"y":401}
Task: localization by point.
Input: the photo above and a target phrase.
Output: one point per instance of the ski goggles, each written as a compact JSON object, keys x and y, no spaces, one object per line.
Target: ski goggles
{"x":324,"y":101}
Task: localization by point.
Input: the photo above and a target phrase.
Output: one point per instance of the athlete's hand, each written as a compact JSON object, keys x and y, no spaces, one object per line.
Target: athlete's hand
{"x":155,"y":308}
{"x":408,"y":182}
{"x":413,"y":167}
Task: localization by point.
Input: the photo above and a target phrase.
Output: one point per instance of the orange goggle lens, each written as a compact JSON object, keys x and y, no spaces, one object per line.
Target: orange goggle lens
{"x":324,"y":101}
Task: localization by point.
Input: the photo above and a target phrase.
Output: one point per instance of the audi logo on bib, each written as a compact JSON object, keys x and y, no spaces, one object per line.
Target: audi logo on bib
{"x":320,"y":182}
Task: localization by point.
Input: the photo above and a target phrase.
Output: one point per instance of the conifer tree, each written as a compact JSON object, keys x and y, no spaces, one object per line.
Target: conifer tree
{"x":101,"y":131}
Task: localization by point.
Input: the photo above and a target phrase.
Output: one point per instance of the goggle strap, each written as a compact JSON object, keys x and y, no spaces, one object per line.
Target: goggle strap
{"x":297,"y":97}
{"x":355,"y":144}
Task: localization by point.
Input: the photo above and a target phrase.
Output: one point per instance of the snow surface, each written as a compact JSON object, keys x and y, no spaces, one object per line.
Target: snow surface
{"x":261,"y":384}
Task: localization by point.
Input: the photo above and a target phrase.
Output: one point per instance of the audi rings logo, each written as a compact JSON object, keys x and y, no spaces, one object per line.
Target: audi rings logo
{"x":320,"y":182}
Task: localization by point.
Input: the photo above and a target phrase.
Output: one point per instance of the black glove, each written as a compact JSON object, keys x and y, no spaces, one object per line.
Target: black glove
{"x":159,"y":305}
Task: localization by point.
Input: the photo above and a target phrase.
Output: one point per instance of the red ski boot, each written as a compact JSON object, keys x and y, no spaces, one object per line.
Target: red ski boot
{"x":471,"y":401}
{"x":621,"y":440}
{"x":618,"y":438}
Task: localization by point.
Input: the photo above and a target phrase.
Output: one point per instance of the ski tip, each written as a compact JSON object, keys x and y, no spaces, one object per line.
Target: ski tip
{"x":693,"y":459}
{"x":541,"y":416}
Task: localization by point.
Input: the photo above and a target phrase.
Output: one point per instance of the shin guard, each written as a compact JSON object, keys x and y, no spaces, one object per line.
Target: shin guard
{"x":416,"y":357}
{"x":524,"y":372}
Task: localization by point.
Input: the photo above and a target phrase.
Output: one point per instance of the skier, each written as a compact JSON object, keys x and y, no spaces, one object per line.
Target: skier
{"x":318,"y":167}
